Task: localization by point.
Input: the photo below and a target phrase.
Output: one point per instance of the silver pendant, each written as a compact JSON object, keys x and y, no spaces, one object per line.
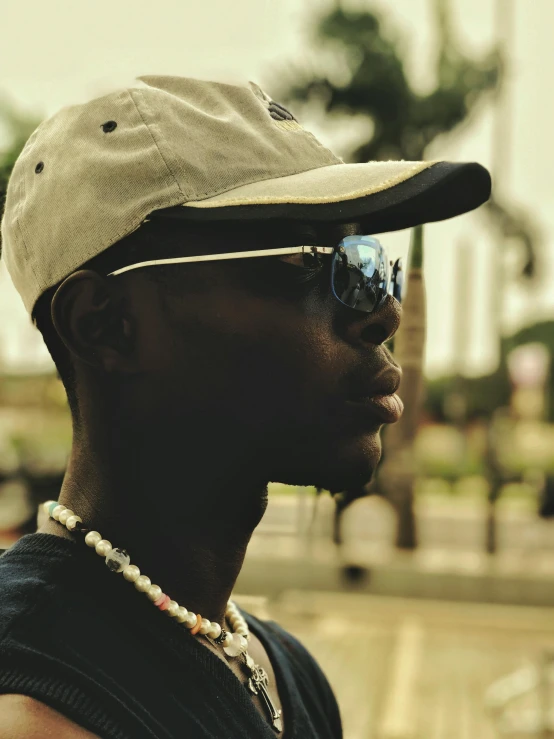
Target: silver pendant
{"x":257,"y":684}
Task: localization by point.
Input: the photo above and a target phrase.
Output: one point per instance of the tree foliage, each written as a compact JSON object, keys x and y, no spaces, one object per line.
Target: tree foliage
{"x":484,"y":394}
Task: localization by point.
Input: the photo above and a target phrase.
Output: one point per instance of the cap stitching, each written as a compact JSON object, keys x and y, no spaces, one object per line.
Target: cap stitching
{"x":419,"y":167}
{"x":287,"y":125}
{"x":137,"y":90}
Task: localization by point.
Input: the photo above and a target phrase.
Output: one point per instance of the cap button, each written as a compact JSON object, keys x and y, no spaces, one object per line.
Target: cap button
{"x":39,"y":167}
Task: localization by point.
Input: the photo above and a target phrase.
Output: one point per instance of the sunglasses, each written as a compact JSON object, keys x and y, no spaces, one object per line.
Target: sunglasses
{"x":361,"y":274}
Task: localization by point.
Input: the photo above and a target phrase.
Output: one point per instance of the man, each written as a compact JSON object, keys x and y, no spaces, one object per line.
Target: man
{"x":187,"y":250}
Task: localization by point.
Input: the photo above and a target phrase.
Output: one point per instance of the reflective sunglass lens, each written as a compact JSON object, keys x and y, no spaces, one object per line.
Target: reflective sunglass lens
{"x":360,"y":274}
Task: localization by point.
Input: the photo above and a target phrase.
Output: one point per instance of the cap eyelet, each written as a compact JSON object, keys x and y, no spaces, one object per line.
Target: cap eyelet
{"x":109,"y":126}
{"x":39,"y":167}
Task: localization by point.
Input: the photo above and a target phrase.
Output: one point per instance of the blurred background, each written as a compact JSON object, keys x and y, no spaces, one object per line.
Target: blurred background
{"x":444,"y":570}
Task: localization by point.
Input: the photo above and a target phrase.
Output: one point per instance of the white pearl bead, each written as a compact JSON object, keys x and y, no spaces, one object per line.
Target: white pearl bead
{"x":46,"y":506}
{"x":205,"y":626}
{"x":173,"y":608}
{"x":228,"y":639}
{"x":103,"y":548}
{"x":56,"y":512}
{"x":142,"y":583}
{"x":190,"y":620}
{"x":243,"y":631}
{"x":64,"y":515}
{"x":131,"y":572}
{"x":154,"y":592}
{"x":72,"y":522}
{"x":92,"y":538}
{"x":181,"y":616}
{"x":215,"y":631}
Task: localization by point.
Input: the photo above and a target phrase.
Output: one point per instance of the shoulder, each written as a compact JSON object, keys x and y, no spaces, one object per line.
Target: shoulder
{"x":23,"y":717}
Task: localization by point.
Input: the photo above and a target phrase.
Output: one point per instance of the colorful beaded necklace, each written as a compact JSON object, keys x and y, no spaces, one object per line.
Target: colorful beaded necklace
{"x":234,"y":644}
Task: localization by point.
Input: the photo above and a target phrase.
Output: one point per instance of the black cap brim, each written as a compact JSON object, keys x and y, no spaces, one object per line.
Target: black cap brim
{"x":442,"y":190}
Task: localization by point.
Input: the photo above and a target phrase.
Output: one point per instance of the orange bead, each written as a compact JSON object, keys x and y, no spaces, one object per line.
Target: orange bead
{"x":196,"y":629}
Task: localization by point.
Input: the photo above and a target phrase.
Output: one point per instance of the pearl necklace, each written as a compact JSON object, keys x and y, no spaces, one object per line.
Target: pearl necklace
{"x":234,"y":644}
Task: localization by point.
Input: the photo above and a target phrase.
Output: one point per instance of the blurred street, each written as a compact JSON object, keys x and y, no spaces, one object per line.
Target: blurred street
{"x":452,"y":524}
{"x":288,"y":550}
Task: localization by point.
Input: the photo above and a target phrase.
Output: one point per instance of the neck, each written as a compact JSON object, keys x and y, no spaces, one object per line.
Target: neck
{"x":185,"y":511}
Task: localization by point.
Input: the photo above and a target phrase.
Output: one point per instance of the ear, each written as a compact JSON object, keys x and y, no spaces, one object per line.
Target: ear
{"x":89,"y":313}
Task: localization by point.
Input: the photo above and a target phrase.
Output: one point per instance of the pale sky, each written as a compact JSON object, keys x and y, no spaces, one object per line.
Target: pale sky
{"x":60,"y":53}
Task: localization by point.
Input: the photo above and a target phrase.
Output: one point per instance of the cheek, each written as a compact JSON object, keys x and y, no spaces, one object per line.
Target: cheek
{"x":280,"y":372}
{"x":266,"y":361}
{"x":265,"y":367}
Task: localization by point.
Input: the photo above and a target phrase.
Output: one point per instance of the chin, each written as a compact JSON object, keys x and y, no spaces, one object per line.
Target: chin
{"x":344,"y":465}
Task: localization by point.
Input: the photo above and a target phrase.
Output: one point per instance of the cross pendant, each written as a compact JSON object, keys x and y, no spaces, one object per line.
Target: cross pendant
{"x":257,"y":684}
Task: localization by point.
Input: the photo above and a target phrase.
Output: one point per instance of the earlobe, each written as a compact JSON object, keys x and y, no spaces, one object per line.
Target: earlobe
{"x":88,"y":314}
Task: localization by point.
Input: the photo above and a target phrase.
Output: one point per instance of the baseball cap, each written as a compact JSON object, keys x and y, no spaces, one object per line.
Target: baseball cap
{"x":198,"y":150}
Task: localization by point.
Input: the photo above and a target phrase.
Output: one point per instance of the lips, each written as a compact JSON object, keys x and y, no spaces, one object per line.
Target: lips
{"x":388,"y":408}
{"x":379,"y":400}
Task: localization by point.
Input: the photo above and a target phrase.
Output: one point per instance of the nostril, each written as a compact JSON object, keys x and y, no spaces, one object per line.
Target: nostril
{"x":375,"y":334}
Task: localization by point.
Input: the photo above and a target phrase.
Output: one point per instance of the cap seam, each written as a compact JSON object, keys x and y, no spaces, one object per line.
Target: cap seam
{"x":321,"y":146}
{"x":171,"y":173}
{"x":17,"y":221}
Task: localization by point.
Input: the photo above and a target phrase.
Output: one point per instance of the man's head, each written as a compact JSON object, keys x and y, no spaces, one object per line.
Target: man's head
{"x":256,"y":351}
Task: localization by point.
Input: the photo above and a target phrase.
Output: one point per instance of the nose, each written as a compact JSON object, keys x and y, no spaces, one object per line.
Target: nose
{"x":374,"y":328}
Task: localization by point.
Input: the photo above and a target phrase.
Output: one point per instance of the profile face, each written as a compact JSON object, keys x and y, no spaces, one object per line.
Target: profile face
{"x":259,"y":352}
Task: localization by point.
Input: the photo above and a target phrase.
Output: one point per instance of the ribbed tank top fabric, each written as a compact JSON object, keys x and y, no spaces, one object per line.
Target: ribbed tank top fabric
{"x":83,"y":641}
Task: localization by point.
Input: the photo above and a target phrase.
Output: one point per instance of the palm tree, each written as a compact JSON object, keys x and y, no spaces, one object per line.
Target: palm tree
{"x":358,"y":69}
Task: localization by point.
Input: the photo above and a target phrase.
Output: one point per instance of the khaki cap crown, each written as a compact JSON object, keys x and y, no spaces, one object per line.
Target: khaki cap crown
{"x":176,"y":140}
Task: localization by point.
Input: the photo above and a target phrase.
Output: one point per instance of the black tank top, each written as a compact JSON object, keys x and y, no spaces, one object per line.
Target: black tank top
{"x":73,"y":636}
